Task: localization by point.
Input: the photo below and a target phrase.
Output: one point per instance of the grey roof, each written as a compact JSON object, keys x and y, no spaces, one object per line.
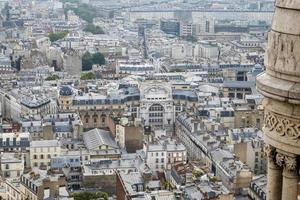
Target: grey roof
{"x":65,"y":91}
{"x":66,"y":160}
{"x":95,"y":138}
{"x":131,"y":179}
{"x":244,"y":134}
{"x":45,"y":143}
{"x":187,"y":94}
{"x":63,"y":128}
{"x":259,"y":183}
{"x":153,"y":184}
{"x":238,"y":84}
{"x":192,"y":192}
{"x":34,"y":102}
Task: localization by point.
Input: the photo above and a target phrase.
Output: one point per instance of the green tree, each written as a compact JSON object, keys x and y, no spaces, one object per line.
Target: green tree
{"x":167,"y":185}
{"x":197,"y":173}
{"x":90,"y":196}
{"x":190,"y":38}
{"x":89,"y":59}
{"x":93,"y":29}
{"x":57,"y":36}
{"x":52,"y":77}
{"x":87,"y":76}
{"x":84,"y":11}
{"x":98,"y":58}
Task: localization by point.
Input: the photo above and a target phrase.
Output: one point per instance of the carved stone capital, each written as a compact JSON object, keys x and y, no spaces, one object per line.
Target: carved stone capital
{"x":280,"y":159}
{"x":270,"y":152}
{"x":288,"y":162}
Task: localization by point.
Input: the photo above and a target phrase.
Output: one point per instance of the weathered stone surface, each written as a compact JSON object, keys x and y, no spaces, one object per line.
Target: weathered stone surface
{"x":286,"y":21}
{"x":287,"y":109}
{"x":290,"y":4}
{"x":275,"y":88}
{"x":284,"y":56}
{"x":295,"y":92}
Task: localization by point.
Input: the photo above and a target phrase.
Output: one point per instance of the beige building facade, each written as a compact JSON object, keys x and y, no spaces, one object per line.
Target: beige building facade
{"x":42,"y":151}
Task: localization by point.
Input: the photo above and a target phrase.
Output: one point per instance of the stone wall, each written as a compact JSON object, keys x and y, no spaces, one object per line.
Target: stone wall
{"x":105,"y":183}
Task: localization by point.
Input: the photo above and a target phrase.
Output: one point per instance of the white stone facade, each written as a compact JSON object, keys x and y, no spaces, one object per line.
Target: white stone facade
{"x":156,"y":104}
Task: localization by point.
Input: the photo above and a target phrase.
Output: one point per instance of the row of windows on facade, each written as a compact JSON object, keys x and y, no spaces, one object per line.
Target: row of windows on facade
{"x":158,"y":98}
{"x":14,"y":149}
{"x":43,"y":157}
{"x":155,"y":120}
{"x":169,"y":154}
{"x":95,"y":120}
{"x":12,"y":191}
{"x":29,"y":184}
{"x":155,"y":114}
{"x":42,"y":164}
{"x":162,"y":160}
{"x":32,"y":129}
{"x":239,"y":89}
{"x":156,"y":108}
{"x":177,"y":108}
{"x":119,"y":107}
{"x":9,"y":142}
{"x":100,"y":108}
{"x":71,"y":160}
{"x":40,"y":150}
{"x":105,"y":101}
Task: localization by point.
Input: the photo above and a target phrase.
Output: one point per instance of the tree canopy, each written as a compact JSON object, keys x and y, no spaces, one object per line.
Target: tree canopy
{"x":90,"y":196}
{"x":190,"y":38}
{"x":93,"y":29}
{"x":89,"y":59}
{"x":197,"y":173}
{"x":87,"y":76}
{"x":57,"y":36}
{"x":84,"y":11}
{"x":52,"y":77}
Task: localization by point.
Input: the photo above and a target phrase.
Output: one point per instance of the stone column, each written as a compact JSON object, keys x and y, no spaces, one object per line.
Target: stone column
{"x":274,"y":176}
{"x":290,"y":175}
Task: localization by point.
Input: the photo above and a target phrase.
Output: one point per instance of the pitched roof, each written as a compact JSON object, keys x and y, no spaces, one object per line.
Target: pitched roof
{"x":95,"y":138}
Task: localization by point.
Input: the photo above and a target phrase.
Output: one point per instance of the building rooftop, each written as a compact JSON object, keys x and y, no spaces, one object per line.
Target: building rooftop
{"x":65,"y":161}
{"x":238,"y":84}
{"x":45,"y":143}
{"x":96,"y":138}
{"x":130,"y":180}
